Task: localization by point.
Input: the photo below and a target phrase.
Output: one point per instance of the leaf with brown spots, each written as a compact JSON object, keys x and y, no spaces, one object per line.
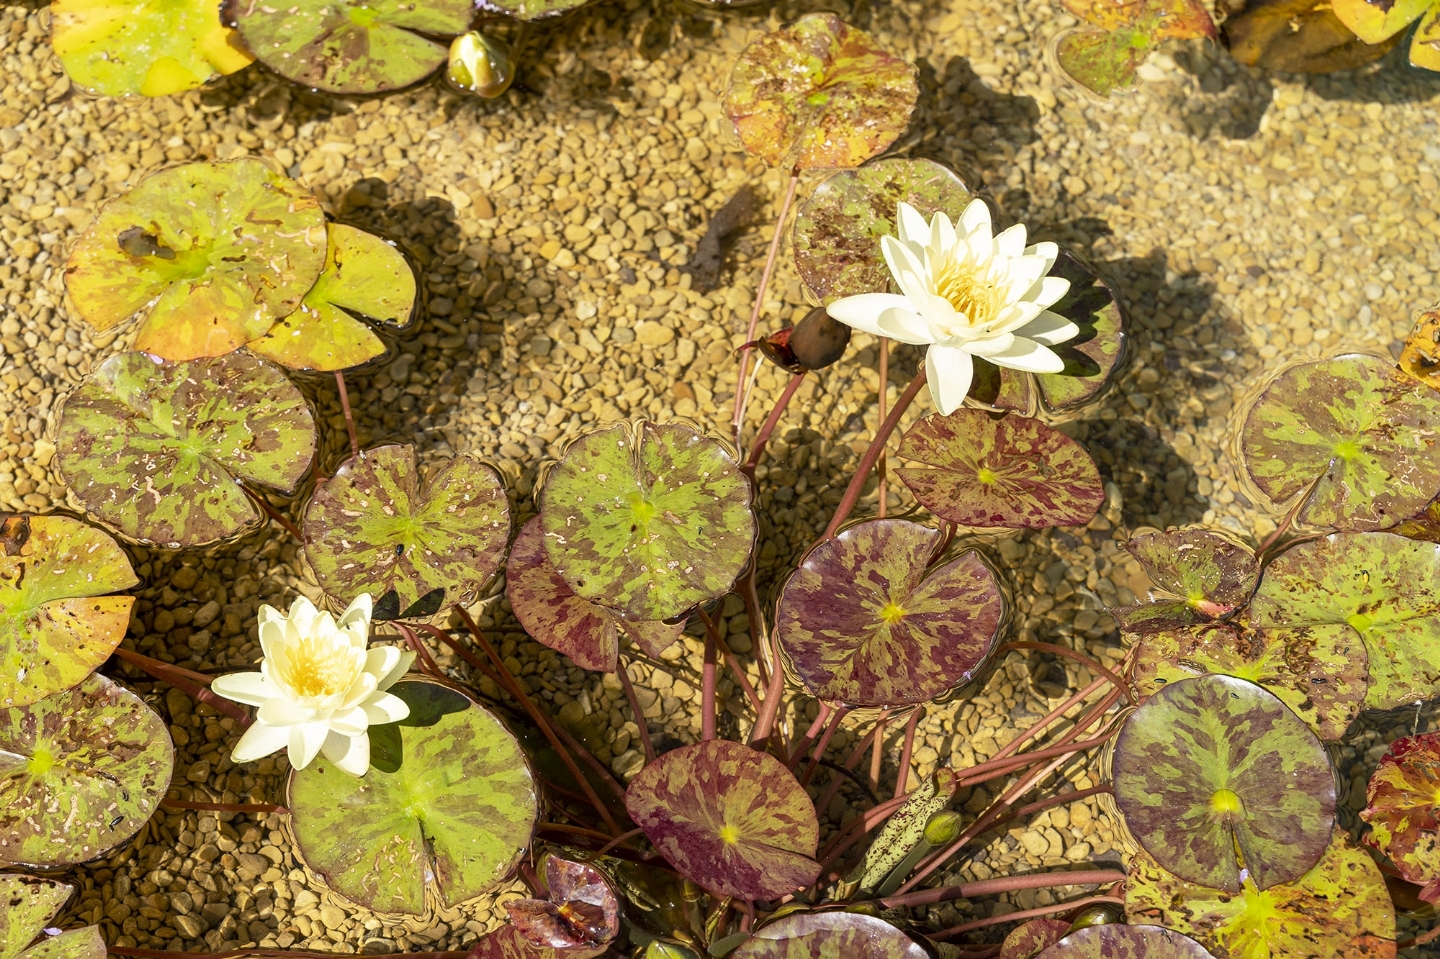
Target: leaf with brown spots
{"x":1403,"y":810}
{"x":1027,"y":941}
{"x":1119,"y":941}
{"x":27,"y":904}
{"x":729,"y":818}
{"x":866,"y":621}
{"x":159,"y":450}
{"x":819,"y":95}
{"x":1208,"y":575}
{"x":829,"y":935}
{"x":58,"y":625}
{"x":1210,"y":765}
{"x":80,"y":773}
{"x":1000,"y":471}
{"x":1104,"y":56}
{"x":554,"y":616}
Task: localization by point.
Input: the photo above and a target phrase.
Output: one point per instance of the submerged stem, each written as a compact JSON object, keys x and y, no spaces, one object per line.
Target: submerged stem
{"x":345,"y":408}
{"x":195,"y":685}
{"x":742,"y":394}
{"x":877,"y":446}
{"x":965,"y":927}
{"x":624,"y":675}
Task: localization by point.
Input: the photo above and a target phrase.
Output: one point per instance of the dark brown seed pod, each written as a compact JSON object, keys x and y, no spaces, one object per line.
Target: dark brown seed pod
{"x":819,"y":339}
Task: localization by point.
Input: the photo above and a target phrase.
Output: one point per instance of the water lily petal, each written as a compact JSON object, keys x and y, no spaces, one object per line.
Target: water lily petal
{"x":1014,"y":316}
{"x":907,"y":326}
{"x":401,"y":667}
{"x":863,"y":312}
{"x":942,"y":237}
{"x":907,"y":268}
{"x":948,"y":372}
{"x":359,"y":691}
{"x":384,"y":708}
{"x":358,"y":611}
{"x":272,"y":635}
{"x":283,"y":711}
{"x":1011,"y":242}
{"x":350,"y":722}
{"x":1048,"y":290}
{"x":1050,"y":252}
{"x":252,"y":689}
{"x":1030,"y":356}
{"x":258,"y":742}
{"x":305,"y":741}
{"x":911,"y":226}
{"x":302,"y":616}
{"x":975,"y":219}
{"x":990,"y":345}
{"x":349,"y":753}
{"x":1049,"y":329}
{"x":379,"y":660}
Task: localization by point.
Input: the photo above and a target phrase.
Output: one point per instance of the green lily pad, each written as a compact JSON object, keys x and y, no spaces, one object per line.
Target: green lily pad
{"x":59,"y":626}
{"x":531,"y":9}
{"x":1005,"y":471}
{"x":1374,"y":22}
{"x":207,"y":255}
{"x":1379,"y":586}
{"x":154,"y":48}
{"x":443,"y":815}
{"x":1029,"y":940}
{"x":380,"y":526}
{"x":819,"y":95}
{"x":650,"y":522}
{"x":80,"y":772}
{"x":838,"y":229}
{"x":554,"y":616}
{"x":1206,"y":575}
{"x":1104,"y":56}
{"x":1209,"y":766}
{"x":829,"y":935}
{"x":1319,"y":673}
{"x":159,"y":450}
{"x":865,"y":621}
{"x":353,"y":46}
{"x":364,"y":277}
{"x":27,"y":903}
{"x":1117,"y":941}
{"x":1339,"y":909}
{"x":1425,"y":46}
{"x":1298,"y":36}
{"x":1092,"y":357}
{"x":1366,"y":436}
{"x":1403,"y":810}
{"x":729,"y":818}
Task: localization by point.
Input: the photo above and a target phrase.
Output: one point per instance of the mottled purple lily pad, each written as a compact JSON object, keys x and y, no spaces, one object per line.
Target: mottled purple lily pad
{"x":1000,"y":471}
{"x":1117,"y":941}
{"x":1092,"y":357}
{"x":732,"y":819}
{"x":507,"y":943}
{"x":1210,"y":765}
{"x":380,"y":525}
{"x":650,"y":521}
{"x":208,"y":255}
{"x":865,"y":621}
{"x":1029,"y":940}
{"x":1364,"y":434}
{"x":159,"y":450}
{"x":80,"y":772}
{"x":1104,"y":56}
{"x":1339,"y":909}
{"x":1319,"y":673}
{"x":1204,"y":575}
{"x":58,"y":625}
{"x":829,"y":935}
{"x":365,"y":277}
{"x":353,"y":46}
{"x":838,"y":229}
{"x":819,"y":95}
{"x":27,"y":905}
{"x":1381,"y":587}
{"x":1403,"y":810}
{"x":446,"y":809}
{"x":554,"y":616}
{"x":1298,"y":36}
{"x":581,"y":914}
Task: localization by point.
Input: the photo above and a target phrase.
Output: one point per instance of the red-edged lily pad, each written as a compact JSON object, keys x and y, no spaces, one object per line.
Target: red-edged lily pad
{"x":58,"y":625}
{"x":581,"y":914}
{"x":1365,"y":436}
{"x":1117,"y":941}
{"x":1381,"y":587}
{"x":27,"y":905}
{"x":365,"y":277}
{"x":1209,"y":766}
{"x":159,"y":450}
{"x":80,"y":772}
{"x":829,"y":935}
{"x":650,"y":522}
{"x":1028,"y":940}
{"x":554,"y":616}
{"x":1206,"y":575}
{"x":381,"y":526}
{"x":207,"y":255}
{"x":866,"y":621}
{"x":1104,"y":56}
{"x":1319,"y":673}
{"x":1403,"y":810}
{"x":838,"y":229}
{"x":732,"y":819}
{"x":819,"y":95}
{"x":1338,"y":910}
{"x":353,"y":46}
{"x":1000,"y":471}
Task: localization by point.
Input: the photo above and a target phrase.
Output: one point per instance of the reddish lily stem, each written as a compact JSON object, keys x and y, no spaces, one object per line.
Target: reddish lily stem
{"x":819,"y":751}
{"x":345,"y":408}
{"x":768,"y":427}
{"x":741,"y":394}
{"x":427,"y":663}
{"x":1014,"y":745}
{"x":991,"y":887}
{"x":1024,"y":914}
{"x":624,"y":675}
{"x":876,"y":747}
{"x":195,"y":685}
{"x":619,"y":840}
{"x":582,"y":831}
{"x":257,"y":953}
{"x":822,"y":716}
{"x":1079,"y":657}
{"x":274,"y":514}
{"x":222,"y":806}
{"x":708,"y":716}
{"x":1420,"y":940}
{"x":877,"y":446}
{"x":902,"y":778}
{"x":880,"y":461}
{"x":851,"y":760}
{"x":513,"y":687}
{"x":741,"y":679}
{"x":770,"y":707}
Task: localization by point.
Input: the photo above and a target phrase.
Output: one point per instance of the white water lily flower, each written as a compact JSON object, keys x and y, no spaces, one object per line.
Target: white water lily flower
{"x":965,"y":293}
{"x":319,"y":689}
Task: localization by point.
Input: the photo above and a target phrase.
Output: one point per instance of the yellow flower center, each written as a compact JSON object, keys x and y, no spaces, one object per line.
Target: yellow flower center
{"x":968,"y":291}
{"x":317,"y":667}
